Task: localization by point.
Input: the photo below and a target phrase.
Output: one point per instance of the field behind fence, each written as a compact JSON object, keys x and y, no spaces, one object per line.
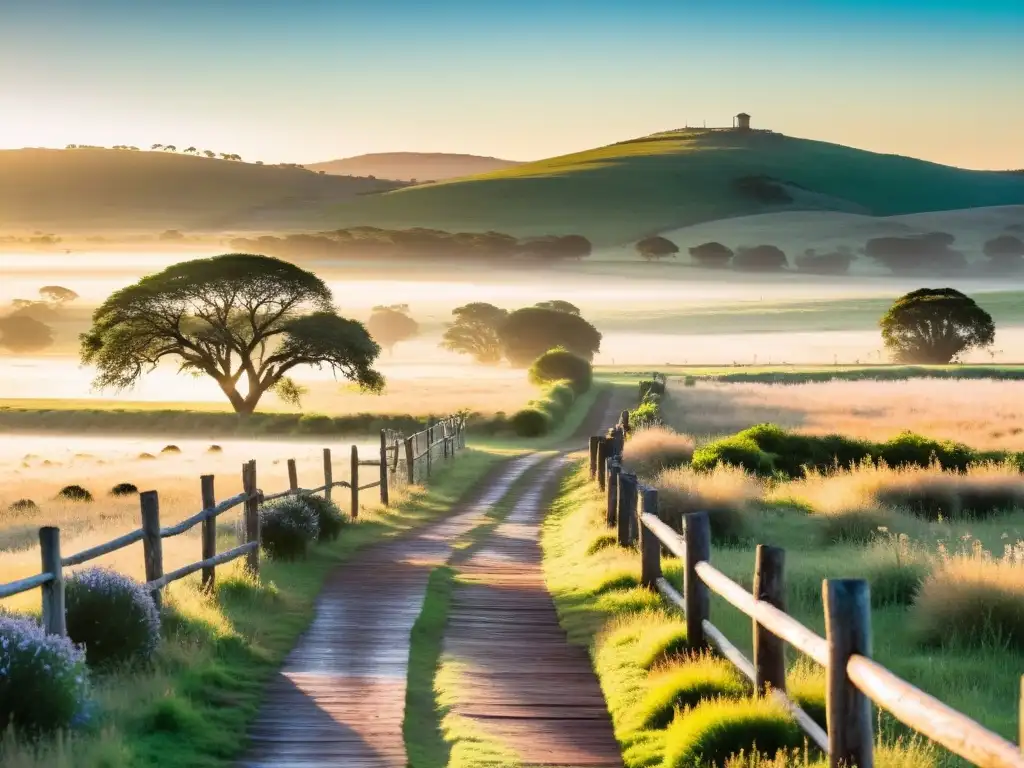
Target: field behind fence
{"x":401,"y":460}
{"x":854,"y":680}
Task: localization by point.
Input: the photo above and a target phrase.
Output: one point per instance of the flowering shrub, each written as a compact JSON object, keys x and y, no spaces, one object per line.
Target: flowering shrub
{"x":329,"y":518}
{"x":43,"y":682}
{"x":113,"y":616}
{"x":287,"y":526}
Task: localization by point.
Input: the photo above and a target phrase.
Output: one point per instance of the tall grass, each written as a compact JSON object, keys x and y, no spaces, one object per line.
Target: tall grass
{"x":726,"y":493}
{"x":649,"y":451}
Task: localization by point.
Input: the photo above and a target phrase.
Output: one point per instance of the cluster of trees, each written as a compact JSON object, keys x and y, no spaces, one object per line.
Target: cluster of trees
{"x":491,"y":334}
{"x":166,"y":148}
{"x":714,"y":255}
{"x":935,"y":326}
{"x":363,"y":242}
{"x":25,"y":328}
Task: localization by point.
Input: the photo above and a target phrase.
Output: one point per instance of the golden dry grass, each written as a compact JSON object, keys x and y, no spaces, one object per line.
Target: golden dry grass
{"x":985,"y":414}
{"x":648,"y":451}
{"x":726,"y":494}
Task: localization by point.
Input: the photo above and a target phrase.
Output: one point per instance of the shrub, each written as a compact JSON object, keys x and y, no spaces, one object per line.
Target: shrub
{"x":733,"y":451}
{"x":112,"y":616}
{"x":123,"y":489}
{"x":909,"y":448}
{"x":74,"y":493}
{"x":316,"y":424}
{"x":562,"y":394}
{"x":23,"y":505}
{"x":530,"y":422}
{"x":330,"y":519}
{"x":715,"y":730}
{"x":170,"y":449}
{"x":214,"y":449}
{"x":685,"y":685}
{"x":559,"y":364}
{"x":761,"y":258}
{"x":647,"y":414}
{"x":42,"y":677}
{"x":146,"y":456}
{"x":648,"y":451}
{"x":714,"y":255}
{"x":973,"y":599}
{"x":660,"y":642}
{"x":651,"y":387}
{"x":725,"y":493}
{"x":287,"y":527}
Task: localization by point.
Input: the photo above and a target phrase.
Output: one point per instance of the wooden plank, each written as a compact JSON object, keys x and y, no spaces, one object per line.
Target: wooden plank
{"x":926,"y":714}
{"x":103,"y":549}
{"x":191,"y":522}
{"x":223,"y":557}
{"x":672,"y":541}
{"x":24,"y":585}
{"x":721,"y":643}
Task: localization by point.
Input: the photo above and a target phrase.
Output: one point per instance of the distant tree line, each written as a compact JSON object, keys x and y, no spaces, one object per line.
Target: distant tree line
{"x":361,"y":242}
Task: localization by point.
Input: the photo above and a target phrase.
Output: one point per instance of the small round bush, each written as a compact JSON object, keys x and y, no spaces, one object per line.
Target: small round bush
{"x":146,"y":456}
{"x":43,"y":678}
{"x":215,"y":449}
{"x":685,"y":685}
{"x":330,"y":519}
{"x":559,"y":364}
{"x":562,"y":393}
{"x":287,"y":526}
{"x":124,"y":489}
{"x":735,"y":451}
{"x":23,"y":505}
{"x":530,"y":422}
{"x":113,"y":616}
{"x":170,"y":449}
{"x":74,"y":493}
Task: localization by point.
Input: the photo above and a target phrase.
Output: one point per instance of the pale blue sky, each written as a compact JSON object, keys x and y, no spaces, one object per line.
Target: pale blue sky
{"x":312,"y":80}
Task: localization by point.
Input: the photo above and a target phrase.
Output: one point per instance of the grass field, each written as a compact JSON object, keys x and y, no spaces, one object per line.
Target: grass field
{"x":675,"y":179}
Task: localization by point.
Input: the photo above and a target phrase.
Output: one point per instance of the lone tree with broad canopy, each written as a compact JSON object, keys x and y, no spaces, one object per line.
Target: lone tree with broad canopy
{"x":935,"y":326}
{"x":655,"y":248}
{"x":559,"y":306}
{"x":475,"y":332}
{"x":529,"y":333}
{"x":228,"y":317}
{"x":390,"y":325}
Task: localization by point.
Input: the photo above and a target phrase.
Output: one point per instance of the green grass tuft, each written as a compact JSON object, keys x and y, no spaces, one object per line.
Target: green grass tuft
{"x":686,"y":685}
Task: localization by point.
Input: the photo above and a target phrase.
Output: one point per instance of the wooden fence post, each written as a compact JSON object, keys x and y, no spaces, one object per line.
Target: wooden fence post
{"x":293,"y":476}
{"x":54,"y":621}
{"x":252,"y":516}
{"x":398,"y":450}
{"x":697,"y":538}
{"x":410,"y":460}
{"x":650,"y":546}
{"x":355,"y":482}
{"x":595,"y":442}
{"x":383,"y":468}
{"x":328,"y":473}
{"x":602,"y":462}
{"x":769,"y":650}
{"x":430,"y":449}
{"x":152,"y":544}
{"x":627,"y":508}
{"x":618,"y":441}
{"x":612,"y":490}
{"x":209,"y":530}
{"x":848,"y":711}
{"x":624,"y":421}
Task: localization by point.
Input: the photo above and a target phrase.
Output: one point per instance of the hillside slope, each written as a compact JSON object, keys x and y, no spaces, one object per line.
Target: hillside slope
{"x":409,"y":166}
{"x":624,"y":191}
{"x":104,"y":189}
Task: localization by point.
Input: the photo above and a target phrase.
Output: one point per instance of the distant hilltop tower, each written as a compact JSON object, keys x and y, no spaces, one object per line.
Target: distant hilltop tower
{"x":741,"y":122}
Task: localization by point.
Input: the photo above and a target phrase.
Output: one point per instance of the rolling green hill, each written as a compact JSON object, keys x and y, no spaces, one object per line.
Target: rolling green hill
{"x":408,"y":166}
{"x":624,"y":191}
{"x":93,"y":190}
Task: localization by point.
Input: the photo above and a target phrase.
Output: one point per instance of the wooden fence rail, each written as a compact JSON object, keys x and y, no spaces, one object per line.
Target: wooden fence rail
{"x":854,"y":680}
{"x":151,"y":534}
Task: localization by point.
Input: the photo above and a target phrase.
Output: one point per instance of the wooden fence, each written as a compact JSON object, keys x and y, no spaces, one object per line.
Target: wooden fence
{"x":151,"y":534}
{"x":854,"y":680}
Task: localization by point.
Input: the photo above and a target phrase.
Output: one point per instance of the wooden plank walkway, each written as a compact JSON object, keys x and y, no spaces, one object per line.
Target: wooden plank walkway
{"x":339,"y":700}
{"x":524,"y":684}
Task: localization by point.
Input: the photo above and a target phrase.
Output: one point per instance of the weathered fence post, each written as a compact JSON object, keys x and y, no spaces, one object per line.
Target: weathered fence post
{"x":398,"y":451}
{"x":355,"y":482}
{"x":328,"y":473}
{"x":293,"y":476}
{"x":602,"y":461}
{"x":383,"y":468}
{"x":252,"y":516}
{"x":650,"y":546}
{"x":410,"y":460}
{"x":595,"y":442}
{"x":430,"y":449}
{"x":618,"y":441}
{"x":54,"y":622}
{"x":848,"y":711}
{"x":769,"y":650}
{"x":697,"y":539}
{"x":152,"y":544}
{"x":209,"y":530}
{"x":624,"y":421}
{"x":612,"y":490}
{"x":627,"y":507}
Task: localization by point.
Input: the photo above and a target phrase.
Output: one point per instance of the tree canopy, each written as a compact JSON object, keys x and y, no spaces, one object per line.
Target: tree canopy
{"x":389,"y":325}
{"x":57,"y":294}
{"x":559,"y":306}
{"x":935,"y":326}
{"x":530,"y":332}
{"x":654,"y":248}
{"x":474,"y":331}
{"x":760,"y":258}
{"x":228,"y":317}
{"x":21,"y":333}
{"x":713,"y":254}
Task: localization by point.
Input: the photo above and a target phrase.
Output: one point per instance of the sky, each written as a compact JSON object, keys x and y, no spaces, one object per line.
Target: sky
{"x":312,"y":80}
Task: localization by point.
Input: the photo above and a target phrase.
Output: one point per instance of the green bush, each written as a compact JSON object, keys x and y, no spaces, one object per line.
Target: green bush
{"x":736,"y":451}
{"x":911,"y":449}
{"x":562,"y":393}
{"x":330,"y":519}
{"x":123,"y":489}
{"x":559,"y":364}
{"x":112,"y":616}
{"x":531,"y":422}
{"x":43,"y":678}
{"x":287,"y":526}
{"x":685,"y":685}
{"x":316,"y":424}
{"x":74,"y":493}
